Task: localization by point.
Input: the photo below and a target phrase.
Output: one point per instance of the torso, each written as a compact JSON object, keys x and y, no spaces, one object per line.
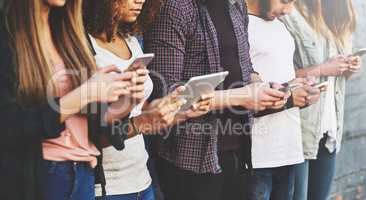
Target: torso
{"x":272,"y":50}
{"x":313,"y":49}
{"x":73,"y":143}
{"x":229,"y":60}
{"x":126,"y":171}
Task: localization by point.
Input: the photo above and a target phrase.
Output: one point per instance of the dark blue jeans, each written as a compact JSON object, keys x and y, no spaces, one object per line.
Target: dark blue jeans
{"x":147,"y":194}
{"x":313,"y":179}
{"x":271,"y":184}
{"x":67,"y":181}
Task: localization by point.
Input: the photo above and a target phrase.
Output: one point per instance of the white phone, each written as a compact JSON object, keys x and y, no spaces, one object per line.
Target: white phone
{"x":321,"y":85}
{"x":140,"y":61}
{"x":200,"y":85}
{"x":360,"y":52}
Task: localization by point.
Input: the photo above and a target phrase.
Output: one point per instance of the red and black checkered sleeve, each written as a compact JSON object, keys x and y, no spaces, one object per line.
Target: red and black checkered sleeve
{"x":246,"y":24}
{"x":167,"y":40}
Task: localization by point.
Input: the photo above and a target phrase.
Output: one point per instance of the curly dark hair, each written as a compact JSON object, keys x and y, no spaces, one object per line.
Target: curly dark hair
{"x":103,"y":16}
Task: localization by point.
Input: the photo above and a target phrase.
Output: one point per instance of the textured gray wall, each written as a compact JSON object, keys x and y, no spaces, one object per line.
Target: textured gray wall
{"x":350,"y":181}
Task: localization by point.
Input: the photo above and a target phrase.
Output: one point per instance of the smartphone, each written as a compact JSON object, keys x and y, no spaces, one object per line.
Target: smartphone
{"x":289,"y":87}
{"x":320,"y":85}
{"x":140,"y":61}
{"x":360,"y":52}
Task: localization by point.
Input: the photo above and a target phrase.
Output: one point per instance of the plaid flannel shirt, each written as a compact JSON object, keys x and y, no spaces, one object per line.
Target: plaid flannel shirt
{"x":185,"y":44}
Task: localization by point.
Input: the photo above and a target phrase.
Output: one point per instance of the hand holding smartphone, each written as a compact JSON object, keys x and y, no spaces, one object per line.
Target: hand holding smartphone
{"x":289,"y":87}
{"x":320,"y":86}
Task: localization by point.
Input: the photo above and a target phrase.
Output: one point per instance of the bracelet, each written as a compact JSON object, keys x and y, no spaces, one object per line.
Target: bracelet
{"x":132,"y":121}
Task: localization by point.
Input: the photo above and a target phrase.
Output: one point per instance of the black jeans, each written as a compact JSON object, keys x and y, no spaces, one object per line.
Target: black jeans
{"x":179,"y":184}
{"x":271,"y":184}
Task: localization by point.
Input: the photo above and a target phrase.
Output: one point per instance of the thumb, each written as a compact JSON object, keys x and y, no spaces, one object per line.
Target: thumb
{"x":177,"y":92}
{"x":110,"y":68}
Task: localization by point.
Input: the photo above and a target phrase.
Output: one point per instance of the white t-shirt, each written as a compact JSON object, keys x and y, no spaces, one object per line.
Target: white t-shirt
{"x":126,"y":171}
{"x":277,"y":137}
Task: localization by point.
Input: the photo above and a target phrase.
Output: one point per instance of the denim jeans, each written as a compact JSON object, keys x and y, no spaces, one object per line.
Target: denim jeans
{"x":147,"y":194}
{"x":67,"y":181}
{"x":271,"y":184}
{"x":313,"y":179}
{"x":150,"y":142}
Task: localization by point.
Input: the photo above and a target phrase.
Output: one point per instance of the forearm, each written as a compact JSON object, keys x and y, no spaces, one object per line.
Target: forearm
{"x":146,"y":124}
{"x":179,"y":118}
{"x":142,"y":124}
{"x":314,"y":70}
{"x":227,"y":98}
{"x":73,"y":103}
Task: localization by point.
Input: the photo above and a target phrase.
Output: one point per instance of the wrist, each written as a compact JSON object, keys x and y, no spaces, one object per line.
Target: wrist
{"x":239,"y":97}
{"x":141,"y":124}
{"x":85,"y":94}
{"x":181,"y":117}
{"x":322,"y":69}
{"x":85,"y":98}
{"x":72,"y":103}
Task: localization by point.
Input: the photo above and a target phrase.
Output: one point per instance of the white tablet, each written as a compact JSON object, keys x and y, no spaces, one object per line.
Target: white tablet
{"x":200,"y":85}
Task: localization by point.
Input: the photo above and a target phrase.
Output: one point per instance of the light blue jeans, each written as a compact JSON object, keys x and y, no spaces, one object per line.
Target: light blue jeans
{"x":313,"y":178}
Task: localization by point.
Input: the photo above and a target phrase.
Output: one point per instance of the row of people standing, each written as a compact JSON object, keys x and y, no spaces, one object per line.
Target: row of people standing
{"x":322,"y":31}
{"x":313,"y":40}
{"x":318,"y":45}
{"x":188,"y":38}
{"x":64,"y":100}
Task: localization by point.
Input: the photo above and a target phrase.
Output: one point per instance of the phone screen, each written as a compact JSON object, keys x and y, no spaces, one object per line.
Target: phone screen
{"x":360,"y":52}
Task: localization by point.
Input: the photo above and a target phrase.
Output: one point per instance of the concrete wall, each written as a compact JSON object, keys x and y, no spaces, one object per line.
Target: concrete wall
{"x":350,"y":181}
